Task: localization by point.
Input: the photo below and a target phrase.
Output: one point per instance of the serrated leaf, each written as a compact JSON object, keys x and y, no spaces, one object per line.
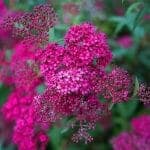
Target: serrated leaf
{"x":136,"y":87}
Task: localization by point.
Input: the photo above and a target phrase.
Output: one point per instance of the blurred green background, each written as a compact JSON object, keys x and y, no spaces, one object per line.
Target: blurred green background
{"x":119,"y":19}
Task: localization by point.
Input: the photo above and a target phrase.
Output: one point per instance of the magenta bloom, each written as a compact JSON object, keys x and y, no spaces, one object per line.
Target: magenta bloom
{"x":85,"y":44}
{"x":125,"y":41}
{"x":116,"y":85}
{"x":137,"y":139}
{"x":144,"y":94}
{"x":141,"y":126}
{"x":25,"y":134}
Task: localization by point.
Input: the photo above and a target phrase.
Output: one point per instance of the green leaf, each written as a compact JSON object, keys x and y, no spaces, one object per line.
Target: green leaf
{"x":111,"y":106}
{"x":136,"y":87}
{"x":40,"y":89}
{"x":138,"y":17}
{"x":123,"y":1}
{"x":4,"y":91}
{"x":55,"y":136}
{"x":119,"y":53}
{"x":127,"y":109}
{"x":132,"y":7}
{"x":121,"y":22}
{"x":64,"y":130}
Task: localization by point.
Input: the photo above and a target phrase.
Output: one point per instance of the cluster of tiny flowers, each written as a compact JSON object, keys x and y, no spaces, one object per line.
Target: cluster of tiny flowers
{"x":34,"y":24}
{"x":144,"y":94}
{"x":75,"y":76}
{"x":26,"y":133}
{"x":116,"y":85}
{"x":137,"y":139}
{"x":19,"y":70}
{"x":85,"y":45}
{"x":18,"y":108}
{"x":82,"y":133}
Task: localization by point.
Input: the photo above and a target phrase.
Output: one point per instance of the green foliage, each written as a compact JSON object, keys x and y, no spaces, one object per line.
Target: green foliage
{"x":4,"y":91}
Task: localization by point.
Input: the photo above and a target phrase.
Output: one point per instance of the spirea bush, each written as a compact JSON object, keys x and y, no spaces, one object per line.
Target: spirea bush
{"x":75,"y":74}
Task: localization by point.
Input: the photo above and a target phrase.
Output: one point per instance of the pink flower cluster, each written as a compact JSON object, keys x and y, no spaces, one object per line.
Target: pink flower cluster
{"x":138,"y":138}
{"x":116,"y":85}
{"x":144,"y":94}
{"x":19,"y":70}
{"x":18,"y":109}
{"x":75,"y":76}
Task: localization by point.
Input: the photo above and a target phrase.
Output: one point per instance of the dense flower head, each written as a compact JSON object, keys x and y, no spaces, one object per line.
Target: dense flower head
{"x":44,"y":112}
{"x":137,"y":139}
{"x":86,"y":44}
{"x":82,"y":132}
{"x":25,"y":77}
{"x":75,"y":80}
{"x":116,"y":85}
{"x":144,"y":94}
{"x":130,"y":141}
{"x":16,"y":106}
{"x":95,"y":109}
{"x":26,"y":135}
{"x":141,"y":125}
{"x":59,"y":104}
{"x":33,"y":24}
{"x":6,"y":39}
{"x":23,"y":67}
{"x":50,"y":59}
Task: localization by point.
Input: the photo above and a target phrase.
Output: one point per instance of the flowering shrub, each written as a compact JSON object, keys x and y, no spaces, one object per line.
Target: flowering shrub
{"x":75,"y":74}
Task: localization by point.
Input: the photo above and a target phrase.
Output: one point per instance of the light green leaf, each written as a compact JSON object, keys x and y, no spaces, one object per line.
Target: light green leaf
{"x":132,"y":7}
{"x":136,"y":87}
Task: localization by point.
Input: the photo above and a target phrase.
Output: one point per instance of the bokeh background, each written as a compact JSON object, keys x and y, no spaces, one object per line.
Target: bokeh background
{"x":126,"y":22}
